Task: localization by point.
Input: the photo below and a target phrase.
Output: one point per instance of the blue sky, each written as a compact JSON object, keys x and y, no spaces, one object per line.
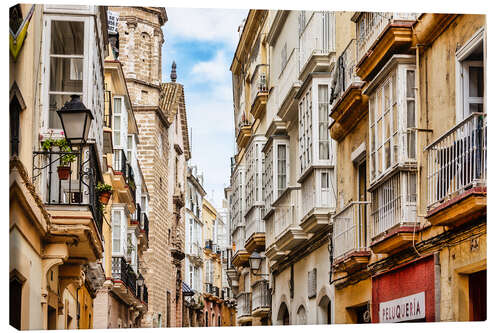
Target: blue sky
{"x":202,"y":43}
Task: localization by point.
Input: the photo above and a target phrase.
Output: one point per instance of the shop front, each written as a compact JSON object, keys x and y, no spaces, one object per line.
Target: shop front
{"x":405,"y":293}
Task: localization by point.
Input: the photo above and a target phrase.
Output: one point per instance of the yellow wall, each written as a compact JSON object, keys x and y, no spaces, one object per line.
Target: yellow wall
{"x":353,"y":295}
{"x":86,"y":308}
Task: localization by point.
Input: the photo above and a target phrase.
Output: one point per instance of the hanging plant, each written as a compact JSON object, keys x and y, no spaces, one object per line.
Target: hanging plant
{"x":64,"y":168}
{"x":104,"y":192}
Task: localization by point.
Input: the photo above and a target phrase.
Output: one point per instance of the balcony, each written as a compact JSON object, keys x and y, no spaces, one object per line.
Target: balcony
{"x":72,"y":202}
{"x":316,"y":43}
{"x":261,"y":299}
{"x":456,"y":174}
{"x":287,"y":232}
{"x":145,"y":225}
{"x":349,"y":104}
{"x":394,"y":212}
{"x":379,"y":35}
{"x":349,"y":237}
{"x":255,"y":237}
{"x":125,"y":283}
{"x":317,"y":204}
{"x":241,"y":255}
{"x":244,"y":307}
{"x":287,"y":86}
{"x":123,"y":178}
{"x":259,"y":90}
{"x":244,"y":133}
{"x":195,"y":253}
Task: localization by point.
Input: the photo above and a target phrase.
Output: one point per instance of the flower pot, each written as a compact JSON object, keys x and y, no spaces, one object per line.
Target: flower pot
{"x":63,"y":171}
{"x":104,"y":197}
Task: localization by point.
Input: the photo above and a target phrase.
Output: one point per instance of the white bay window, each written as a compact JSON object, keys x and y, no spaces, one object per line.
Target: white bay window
{"x":277,"y":169}
{"x":392,"y":116}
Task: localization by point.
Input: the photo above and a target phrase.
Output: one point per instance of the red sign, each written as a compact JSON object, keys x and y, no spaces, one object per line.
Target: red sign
{"x":415,"y":281}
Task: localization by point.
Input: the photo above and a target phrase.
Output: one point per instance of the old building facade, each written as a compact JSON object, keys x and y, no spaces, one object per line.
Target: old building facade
{"x":123,"y":299}
{"x":55,"y":235}
{"x":410,"y":227}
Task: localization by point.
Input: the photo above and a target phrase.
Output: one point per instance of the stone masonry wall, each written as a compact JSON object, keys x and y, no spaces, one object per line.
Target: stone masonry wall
{"x":140,"y":35}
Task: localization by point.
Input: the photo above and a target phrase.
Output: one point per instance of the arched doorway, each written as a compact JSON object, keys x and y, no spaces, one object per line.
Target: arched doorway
{"x":301,"y":316}
{"x":283,"y":315}
{"x":325,"y":311}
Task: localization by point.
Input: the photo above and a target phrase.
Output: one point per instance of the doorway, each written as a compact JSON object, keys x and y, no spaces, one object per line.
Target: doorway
{"x":477,"y":296}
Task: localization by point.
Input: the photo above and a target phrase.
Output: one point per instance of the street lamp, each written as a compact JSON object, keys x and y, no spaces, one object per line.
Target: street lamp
{"x":255,"y":262}
{"x":140,"y":281}
{"x":75,"y":120}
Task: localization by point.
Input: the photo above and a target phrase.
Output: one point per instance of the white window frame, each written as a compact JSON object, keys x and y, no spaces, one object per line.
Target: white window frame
{"x":396,"y":69}
{"x":122,"y":251}
{"x":48,"y":19}
{"x":460,"y":56}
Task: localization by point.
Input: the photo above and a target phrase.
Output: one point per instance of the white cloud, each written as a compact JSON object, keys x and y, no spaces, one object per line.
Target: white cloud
{"x":215,"y":69}
{"x":205,"y":24}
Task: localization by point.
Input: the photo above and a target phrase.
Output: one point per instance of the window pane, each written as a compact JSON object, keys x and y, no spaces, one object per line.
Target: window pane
{"x":410,"y":84}
{"x":411,"y":144}
{"x":55,"y":103}
{"x":117,"y":108}
{"x":387,"y":125}
{"x":324,"y":180}
{"x":410,"y":109}
{"x":387,"y":151}
{"x":476,"y":88}
{"x":66,"y":75}
{"x":476,"y":107}
{"x":66,"y":37}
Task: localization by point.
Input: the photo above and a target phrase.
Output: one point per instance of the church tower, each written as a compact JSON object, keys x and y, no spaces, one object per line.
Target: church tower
{"x":138,"y":44}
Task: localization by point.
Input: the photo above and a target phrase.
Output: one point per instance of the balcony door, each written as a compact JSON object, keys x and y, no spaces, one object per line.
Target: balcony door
{"x":362,"y":196}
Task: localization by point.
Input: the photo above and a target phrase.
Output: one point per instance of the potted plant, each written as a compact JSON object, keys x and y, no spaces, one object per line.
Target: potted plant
{"x":104,"y":191}
{"x":64,"y":168}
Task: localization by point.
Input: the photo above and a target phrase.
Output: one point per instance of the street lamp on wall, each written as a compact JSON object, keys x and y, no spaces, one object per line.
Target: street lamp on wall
{"x":76,"y":120}
{"x":255,"y":261}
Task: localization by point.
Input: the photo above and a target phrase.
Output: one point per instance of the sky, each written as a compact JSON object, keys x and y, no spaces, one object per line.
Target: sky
{"x":202,"y":43}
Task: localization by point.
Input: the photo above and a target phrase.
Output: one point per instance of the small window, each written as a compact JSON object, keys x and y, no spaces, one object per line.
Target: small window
{"x":14,"y":112}
{"x":281,"y":168}
{"x":117,"y":110}
{"x":324,"y":181}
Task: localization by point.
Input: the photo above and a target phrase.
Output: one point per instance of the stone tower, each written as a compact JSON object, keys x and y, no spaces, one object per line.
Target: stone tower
{"x":139,"y":40}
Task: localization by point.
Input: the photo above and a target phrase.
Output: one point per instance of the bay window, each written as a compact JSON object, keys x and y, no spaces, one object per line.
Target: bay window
{"x":324,"y":143}
{"x":119,"y":231}
{"x":392,"y":116}
{"x":314,"y":140}
{"x":65,"y":65}
{"x":277,"y":169}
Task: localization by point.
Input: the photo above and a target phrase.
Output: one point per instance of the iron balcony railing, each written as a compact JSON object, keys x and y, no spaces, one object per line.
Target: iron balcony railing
{"x":121,"y":164}
{"x":120,"y":161}
{"x":350,"y":229}
{"x":457,"y":160}
{"x":394,"y":202}
{"x":259,"y":83}
{"x":79,"y":189}
{"x":107,"y":109}
{"x":145,"y":224}
{"x":137,"y":216}
{"x":244,"y":305}
{"x":145,"y":294}
{"x":370,"y":25}
{"x":261,"y":296}
{"x":121,"y":270}
{"x":344,"y":73}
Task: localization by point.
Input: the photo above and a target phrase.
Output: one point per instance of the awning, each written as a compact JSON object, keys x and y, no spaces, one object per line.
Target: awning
{"x":186,"y":290}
